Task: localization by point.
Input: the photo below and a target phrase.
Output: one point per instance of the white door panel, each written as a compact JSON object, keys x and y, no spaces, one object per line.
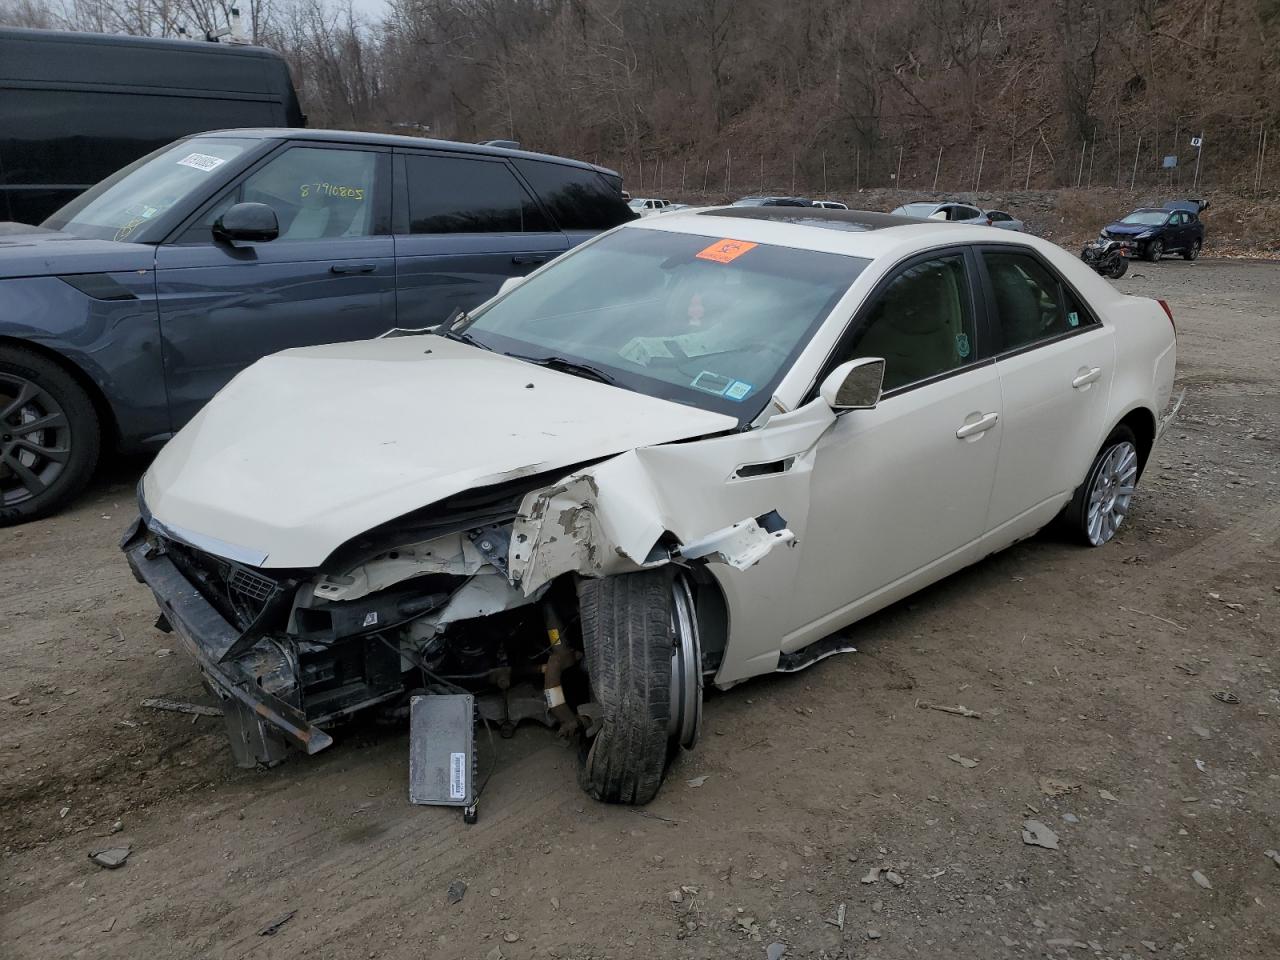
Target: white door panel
{"x":1054,"y":403}
{"x":894,"y":490}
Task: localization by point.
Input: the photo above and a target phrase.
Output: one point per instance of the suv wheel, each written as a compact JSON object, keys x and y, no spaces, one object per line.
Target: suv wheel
{"x":1155,"y":250}
{"x":644,"y":662}
{"x":49,"y":436}
{"x":1192,"y":251}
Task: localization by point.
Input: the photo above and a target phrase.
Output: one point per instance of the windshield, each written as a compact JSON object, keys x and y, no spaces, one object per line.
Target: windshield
{"x":1147,"y":218}
{"x":117,"y":207}
{"x":921,"y":210}
{"x":710,"y":322}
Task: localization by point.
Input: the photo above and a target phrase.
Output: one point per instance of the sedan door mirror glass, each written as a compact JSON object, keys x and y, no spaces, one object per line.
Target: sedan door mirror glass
{"x":854,"y":385}
{"x":246,"y":223}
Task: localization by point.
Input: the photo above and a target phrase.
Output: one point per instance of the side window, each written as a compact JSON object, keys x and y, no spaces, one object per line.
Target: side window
{"x":964,"y":213}
{"x":317,"y":194}
{"x":578,"y":198}
{"x":1031,"y":304}
{"x":922,"y":324}
{"x":464,"y":195}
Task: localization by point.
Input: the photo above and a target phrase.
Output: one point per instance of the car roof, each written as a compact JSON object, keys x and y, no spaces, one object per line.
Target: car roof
{"x":143,"y":44}
{"x":857,"y":233}
{"x":395,"y":140}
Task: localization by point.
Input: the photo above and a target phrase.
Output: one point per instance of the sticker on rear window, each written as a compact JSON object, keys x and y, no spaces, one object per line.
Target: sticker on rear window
{"x":738,"y":390}
{"x":201,"y":161}
{"x":962,"y":345}
{"x":1073,"y":318}
{"x":712,"y":383}
{"x":725,"y":251}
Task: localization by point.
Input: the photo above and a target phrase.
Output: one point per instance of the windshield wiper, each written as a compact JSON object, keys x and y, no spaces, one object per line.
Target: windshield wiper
{"x":463,"y":337}
{"x":575,"y":367}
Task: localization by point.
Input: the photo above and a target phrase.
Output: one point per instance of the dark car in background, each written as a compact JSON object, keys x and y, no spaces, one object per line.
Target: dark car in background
{"x":76,"y":107}
{"x":1154,"y":231}
{"x":772,"y":202}
{"x":135,"y":303}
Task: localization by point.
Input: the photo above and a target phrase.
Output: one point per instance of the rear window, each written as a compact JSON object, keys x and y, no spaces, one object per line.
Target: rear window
{"x":577,"y":198}
{"x":463,"y":195}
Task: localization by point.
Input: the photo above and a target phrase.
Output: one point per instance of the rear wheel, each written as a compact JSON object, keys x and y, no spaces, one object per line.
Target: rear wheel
{"x":49,"y":436}
{"x":643,"y":659}
{"x":1155,"y":250}
{"x":1103,"y":500}
{"x":1192,"y":251}
{"x":1118,"y":268}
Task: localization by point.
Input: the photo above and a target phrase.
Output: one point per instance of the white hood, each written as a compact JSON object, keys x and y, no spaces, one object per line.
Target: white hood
{"x":308,"y":448}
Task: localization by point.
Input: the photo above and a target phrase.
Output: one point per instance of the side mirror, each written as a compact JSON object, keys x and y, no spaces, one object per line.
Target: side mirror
{"x":854,"y":385}
{"x":509,"y":284}
{"x":247,"y":223}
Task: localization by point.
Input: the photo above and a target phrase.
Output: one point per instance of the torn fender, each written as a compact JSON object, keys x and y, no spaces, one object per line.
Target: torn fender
{"x":608,"y":518}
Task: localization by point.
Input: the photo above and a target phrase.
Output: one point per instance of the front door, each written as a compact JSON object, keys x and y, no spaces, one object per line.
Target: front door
{"x":1056,"y":362}
{"x":328,"y":277}
{"x":464,"y":223}
{"x":899,"y":493}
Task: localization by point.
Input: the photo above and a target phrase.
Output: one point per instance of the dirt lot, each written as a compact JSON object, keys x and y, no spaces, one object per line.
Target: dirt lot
{"x":1094,"y":672}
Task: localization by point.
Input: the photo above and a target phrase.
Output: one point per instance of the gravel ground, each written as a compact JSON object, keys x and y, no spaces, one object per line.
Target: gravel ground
{"x":1094,"y":673}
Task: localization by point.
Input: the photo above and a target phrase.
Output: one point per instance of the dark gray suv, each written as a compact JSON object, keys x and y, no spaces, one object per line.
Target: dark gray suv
{"x":132,"y":305}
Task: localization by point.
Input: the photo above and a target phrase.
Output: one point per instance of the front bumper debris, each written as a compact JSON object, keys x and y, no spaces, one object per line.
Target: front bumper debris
{"x":259,"y":724}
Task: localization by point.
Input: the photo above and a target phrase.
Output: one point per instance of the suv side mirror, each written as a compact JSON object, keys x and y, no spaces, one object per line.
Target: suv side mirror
{"x":854,"y":385}
{"x":246,"y":223}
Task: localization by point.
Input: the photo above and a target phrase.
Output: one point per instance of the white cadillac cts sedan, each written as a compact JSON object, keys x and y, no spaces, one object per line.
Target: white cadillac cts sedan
{"x":696,"y":447}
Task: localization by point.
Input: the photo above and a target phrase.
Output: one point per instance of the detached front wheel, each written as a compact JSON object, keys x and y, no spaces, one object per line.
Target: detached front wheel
{"x":644,"y":661}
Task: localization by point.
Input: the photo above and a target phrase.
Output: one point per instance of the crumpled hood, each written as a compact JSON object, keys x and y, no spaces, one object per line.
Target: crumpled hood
{"x":27,"y":251}
{"x":1119,"y":229}
{"x":308,"y":448}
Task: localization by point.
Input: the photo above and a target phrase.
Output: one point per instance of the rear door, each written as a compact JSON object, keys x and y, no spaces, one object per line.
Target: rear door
{"x":328,"y":277}
{"x":463,"y":224}
{"x":1056,"y":362}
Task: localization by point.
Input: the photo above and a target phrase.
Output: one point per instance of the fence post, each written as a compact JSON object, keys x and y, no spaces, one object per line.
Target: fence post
{"x":641,"y":177}
{"x":1195,"y":182}
{"x":1093,"y":152}
{"x":706,"y":175}
{"x":1080,"y":172}
{"x":728,"y":170}
{"x":824,"y":172}
{"x":857,"y":168}
{"x":936,"y":167}
{"x":684,"y":165}
{"x":1134,"y":176}
{"x":1030,"y":157}
{"x":660,"y":175}
{"x":793,"y":173}
{"x":981,"y":160}
{"x":897,"y":177}
{"x":762,"y":174}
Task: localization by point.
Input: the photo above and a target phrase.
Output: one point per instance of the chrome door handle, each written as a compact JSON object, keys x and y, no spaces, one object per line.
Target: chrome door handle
{"x":981,"y":425}
{"x":341,"y":268}
{"x":1086,"y":378}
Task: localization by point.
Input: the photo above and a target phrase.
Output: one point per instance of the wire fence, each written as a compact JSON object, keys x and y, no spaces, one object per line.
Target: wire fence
{"x":1181,"y":157}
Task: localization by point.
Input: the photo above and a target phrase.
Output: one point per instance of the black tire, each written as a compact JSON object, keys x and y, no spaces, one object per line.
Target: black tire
{"x":1154,"y":250}
{"x":628,"y":640}
{"x":1075,"y":518}
{"x":1192,"y":251}
{"x":1118,"y":268}
{"x":42,"y":469}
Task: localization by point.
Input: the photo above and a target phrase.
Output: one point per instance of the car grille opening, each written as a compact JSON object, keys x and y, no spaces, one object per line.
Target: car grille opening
{"x":250,"y":586}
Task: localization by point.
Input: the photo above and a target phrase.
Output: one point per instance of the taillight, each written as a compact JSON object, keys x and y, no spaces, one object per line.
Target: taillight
{"x":1168,"y":313}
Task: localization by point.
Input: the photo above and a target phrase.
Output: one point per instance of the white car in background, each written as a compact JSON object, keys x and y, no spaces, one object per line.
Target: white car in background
{"x":648,"y":206}
{"x":691,"y":449}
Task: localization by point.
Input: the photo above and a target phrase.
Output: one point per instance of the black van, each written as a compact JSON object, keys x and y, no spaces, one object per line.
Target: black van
{"x":75,"y":107}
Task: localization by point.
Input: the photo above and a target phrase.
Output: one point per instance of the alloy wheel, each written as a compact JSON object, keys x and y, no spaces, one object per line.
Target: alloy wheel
{"x":686,"y":668}
{"x":1112,"y":492}
{"x":35,"y":440}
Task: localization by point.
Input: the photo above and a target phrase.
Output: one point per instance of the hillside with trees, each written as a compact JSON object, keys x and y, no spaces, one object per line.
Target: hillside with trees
{"x":1032,"y":93}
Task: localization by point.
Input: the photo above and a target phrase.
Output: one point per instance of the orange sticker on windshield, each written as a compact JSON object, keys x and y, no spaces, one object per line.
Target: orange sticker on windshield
{"x":725,"y":251}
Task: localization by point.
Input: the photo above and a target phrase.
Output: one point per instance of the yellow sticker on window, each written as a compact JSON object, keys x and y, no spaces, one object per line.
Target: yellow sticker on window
{"x":725,"y":251}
